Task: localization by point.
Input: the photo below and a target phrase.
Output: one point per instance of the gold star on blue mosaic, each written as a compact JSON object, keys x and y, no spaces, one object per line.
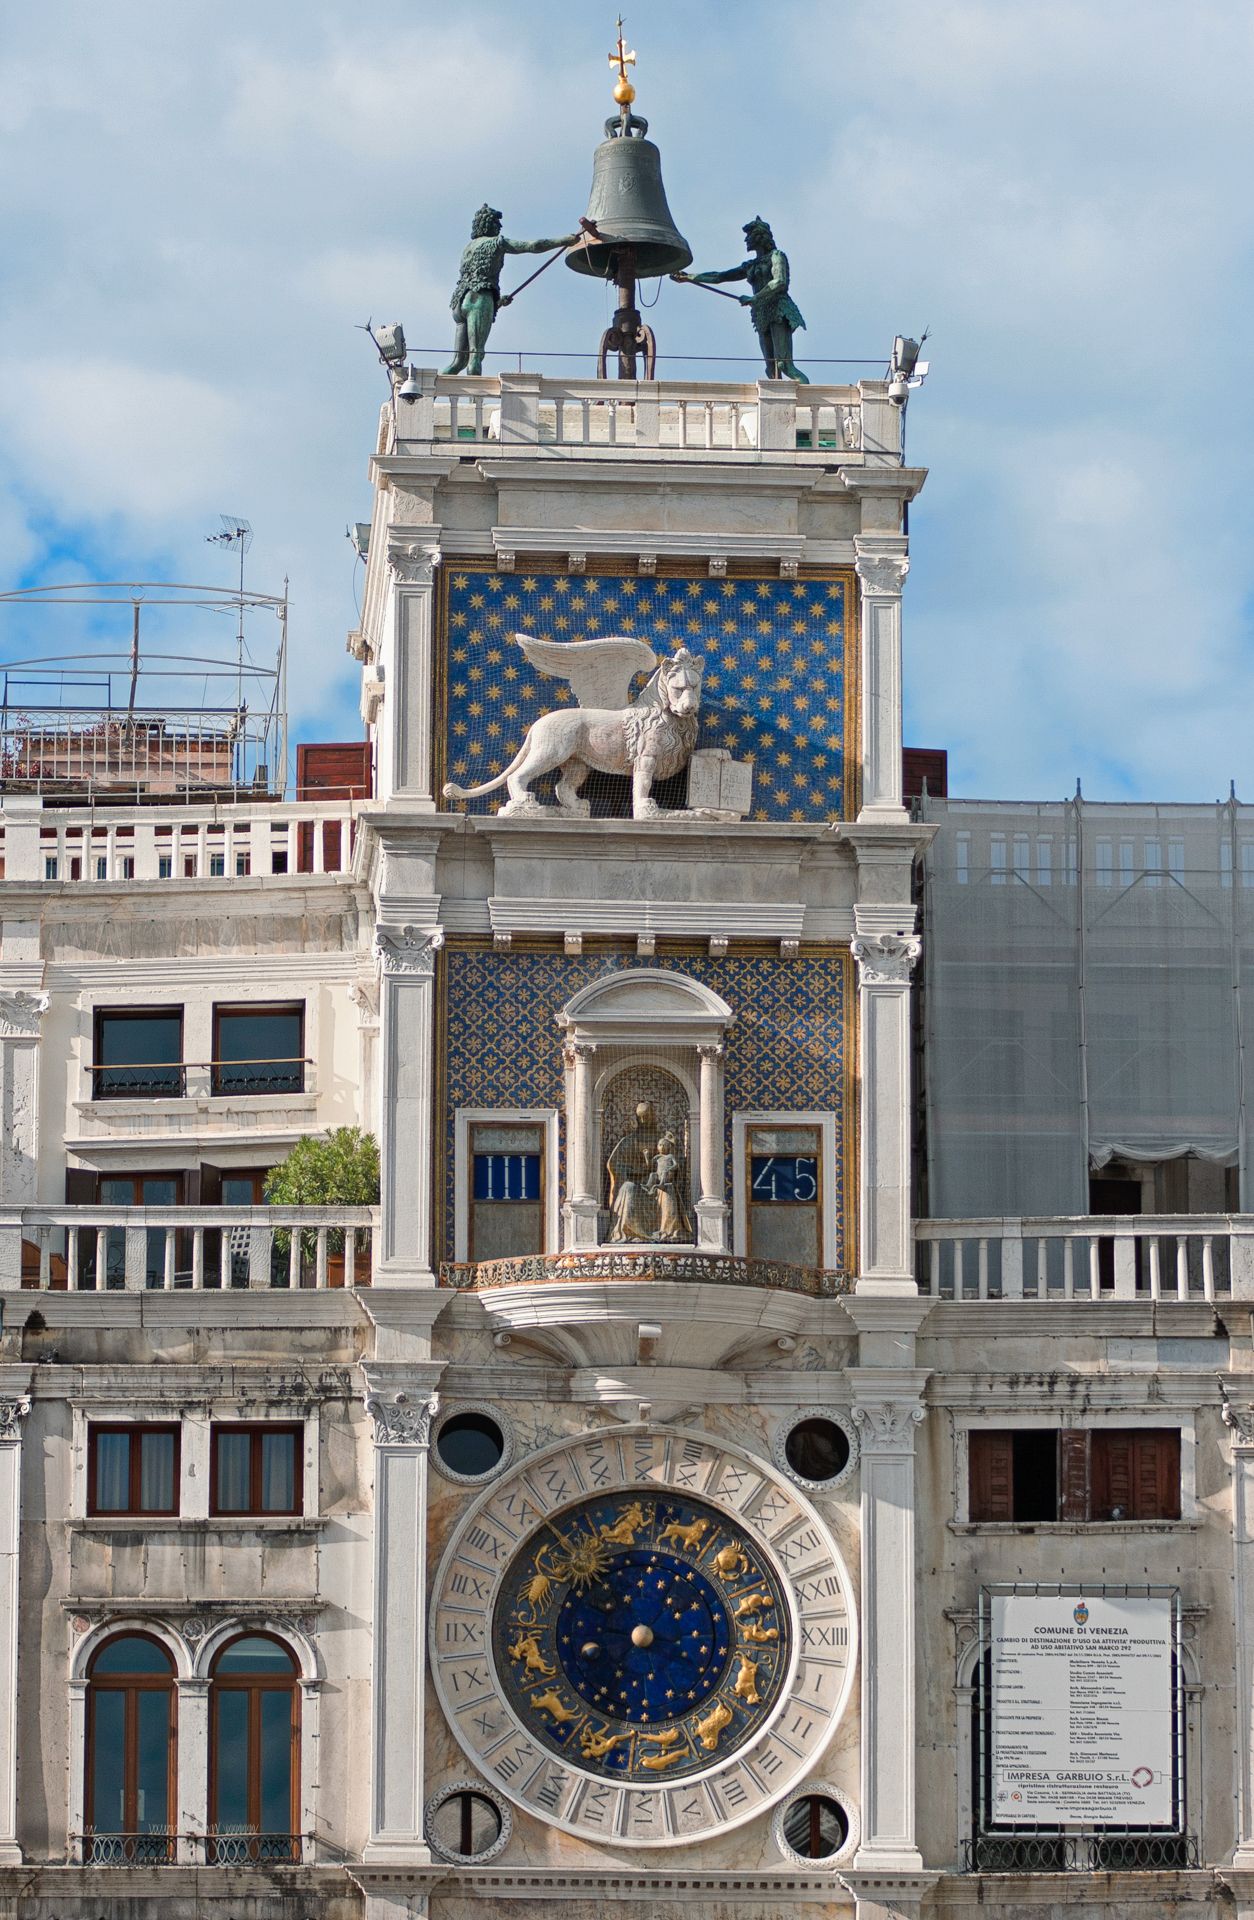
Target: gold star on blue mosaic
{"x":774,"y":689}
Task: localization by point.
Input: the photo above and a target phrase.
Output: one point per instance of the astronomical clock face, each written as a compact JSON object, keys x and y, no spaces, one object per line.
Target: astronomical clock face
{"x":643,"y":1637}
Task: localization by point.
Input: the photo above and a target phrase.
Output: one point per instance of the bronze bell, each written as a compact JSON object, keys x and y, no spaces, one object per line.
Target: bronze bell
{"x":628,"y":204}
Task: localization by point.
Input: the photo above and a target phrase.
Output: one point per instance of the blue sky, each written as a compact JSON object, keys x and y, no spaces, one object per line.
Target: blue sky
{"x":200,"y":205}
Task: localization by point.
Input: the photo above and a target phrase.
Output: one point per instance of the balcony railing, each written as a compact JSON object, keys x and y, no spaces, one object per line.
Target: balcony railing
{"x":245,"y":1847}
{"x":853,"y":425}
{"x":163,"y":1847}
{"x":715,"y":1269}
{"x":1110,"y":1850}
{"x":157,"y":1847}
{"x":1087,"y":1257}
{"x":235,"y":839}
{"x":172,"y":1080}
{"x":107,"y":1249}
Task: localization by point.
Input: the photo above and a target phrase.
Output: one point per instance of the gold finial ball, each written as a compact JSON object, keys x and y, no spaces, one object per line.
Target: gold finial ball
{"x":624,"y":92}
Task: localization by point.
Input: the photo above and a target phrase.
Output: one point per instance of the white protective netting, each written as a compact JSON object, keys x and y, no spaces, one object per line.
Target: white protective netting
{"x":1088,"y":973}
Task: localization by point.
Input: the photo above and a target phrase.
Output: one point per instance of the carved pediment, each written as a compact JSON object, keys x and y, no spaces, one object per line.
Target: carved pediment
{"x":634,"y":1005}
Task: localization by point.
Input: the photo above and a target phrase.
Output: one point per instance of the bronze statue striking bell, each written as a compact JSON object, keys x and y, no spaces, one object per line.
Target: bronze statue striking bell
{"x":627,"y":205}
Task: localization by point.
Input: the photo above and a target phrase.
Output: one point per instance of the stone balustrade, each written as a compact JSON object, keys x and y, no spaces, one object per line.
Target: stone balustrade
{"x":225,"y":840}
{"x":655,"y":1263}
{"x":98,"y":1249}
{"x":1178,"y":1257}
{"x":497,"y":413}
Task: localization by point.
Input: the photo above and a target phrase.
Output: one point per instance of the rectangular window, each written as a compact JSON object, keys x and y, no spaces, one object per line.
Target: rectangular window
{"x":255,"y":1469}
{"x":1247,"y":863}
{"x":128,"y":866}
{"x":1021,"y":844}
{"x":1153,"y":863}
{"x":259,"y":1049}
{"x":1044,"y":861}
{"x":132,"y":1469}
{"x":784,"y":1194}
{"x":1127,"y":865}
{"x":138,"y":1053}
{"x":1225,"y":862}
{"x":1034,"y":1474}
{"x":1105,"y":863}
{"x":165,"y":866}
{"x":217,"y":866}
{"x":101,"y":866}
{"x":997,"y":859}
{"x":506,"y":1189}
{"x":50,"y":866}
{"x":241,"y":866}
{"x":1175,"y":859}
{"x":962,"y":858}
{"x":278,"y":860}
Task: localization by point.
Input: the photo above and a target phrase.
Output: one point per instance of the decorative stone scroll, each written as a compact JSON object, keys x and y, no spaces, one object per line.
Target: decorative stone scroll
{"x":886,"y":959}
{"x":408,"y":949}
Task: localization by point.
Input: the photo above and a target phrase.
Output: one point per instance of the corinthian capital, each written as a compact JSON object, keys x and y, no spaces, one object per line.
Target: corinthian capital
{"x":887,"y":1426}
{"x":12,"y":1414}
{"x":885,"y":959}
{"x":882,"y":573}
{"x":413,"y":563}
{"x":409,"y":950}
{"x":20,"y":1014}
{"x":400,"y":1421}
{"x":1239,"y":1419}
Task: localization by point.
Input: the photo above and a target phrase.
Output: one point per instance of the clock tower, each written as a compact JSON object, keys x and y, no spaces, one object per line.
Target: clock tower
{"x":642,"y":1370}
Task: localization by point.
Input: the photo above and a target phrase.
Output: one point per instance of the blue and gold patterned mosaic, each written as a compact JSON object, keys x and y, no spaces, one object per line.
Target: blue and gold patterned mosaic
{"x":775,"y":688}
{"x":788,"y":1050}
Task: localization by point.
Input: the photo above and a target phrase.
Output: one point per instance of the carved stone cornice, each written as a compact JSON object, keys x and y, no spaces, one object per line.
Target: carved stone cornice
{"x":413,"y":563}
{"x":408,"y":950}
{"x":882,"y":574}
{"x":20,"y":1014}
{"x":12,"y":1414}
{"x":887,"y":1426}
{"x":885,"y":959}
{"x":400,"y":1420}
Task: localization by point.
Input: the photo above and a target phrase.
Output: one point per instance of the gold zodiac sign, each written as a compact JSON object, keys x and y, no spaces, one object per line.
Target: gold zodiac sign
{"x":550,"y":1702}
{"x":753,"y":1603}
{"x":689,"y":1536}
{"x":623,"y":1532}
{"x":759,"y":1636}
{"x":730,"y":1561}
{"x":595,"y":1746}
{"x":538,"y":1588}
{"x":746,"y":1687}
{"x":585,"y":1558}
{"x":709,"y":1730}
{"x":526,"y":1650}
{"x":658,"y":1762}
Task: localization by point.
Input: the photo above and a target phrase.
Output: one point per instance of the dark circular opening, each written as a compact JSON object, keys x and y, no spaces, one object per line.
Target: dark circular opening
{"x":817,"y":1449}
{"x":466,"y":1824}
{"x":470,"y":1444}
{"x":815,"y":1826}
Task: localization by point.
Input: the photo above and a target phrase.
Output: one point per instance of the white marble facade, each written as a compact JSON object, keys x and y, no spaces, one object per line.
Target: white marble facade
{"x":422,"y":1787}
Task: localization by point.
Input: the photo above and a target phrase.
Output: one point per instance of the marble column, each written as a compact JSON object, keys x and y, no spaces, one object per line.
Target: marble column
{"x":887,"y":1407}
{"x":14,"y":1407}
{"x":1238,"y":1417}
{"x":402,"y":1402}
{"x":712,"y":1204}
{"x":407,"y":956}
{"x":581,"y":1208}
{"x":414,"y":559}
{"x":885,"y":948}
{"x":20,"y":1016}
{"x":882,"y":567}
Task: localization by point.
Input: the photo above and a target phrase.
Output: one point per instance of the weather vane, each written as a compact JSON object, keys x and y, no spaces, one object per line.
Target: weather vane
{"x":624,"y":92}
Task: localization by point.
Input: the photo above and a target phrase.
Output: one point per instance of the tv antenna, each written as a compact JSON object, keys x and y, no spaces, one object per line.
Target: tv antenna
{"x":236,"y":536}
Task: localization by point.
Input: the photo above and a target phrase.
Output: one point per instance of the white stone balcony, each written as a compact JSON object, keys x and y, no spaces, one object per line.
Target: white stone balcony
{"x":498,"y":414}
{"x":161,"y":1249}
{"x":1117,"y":1257}
{"x":224,"y":840}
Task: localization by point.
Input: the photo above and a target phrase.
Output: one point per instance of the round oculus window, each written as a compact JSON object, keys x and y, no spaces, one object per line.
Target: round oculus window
{"x":472,"y":1443}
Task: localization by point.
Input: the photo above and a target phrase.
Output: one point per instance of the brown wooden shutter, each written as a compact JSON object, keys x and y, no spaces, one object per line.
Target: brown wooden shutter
{"x":1113,"y":1474}
{"x":80,"y":1186}
{"x":1073,"y":1474}
{"x":1156,"y":1474}
{"x":991,"y":1484}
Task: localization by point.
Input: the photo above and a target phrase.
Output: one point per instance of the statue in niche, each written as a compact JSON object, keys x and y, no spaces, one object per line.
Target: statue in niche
{"x":651,"y":739}
{"x":775,"y":314}
{"x":633,"y":1209}
{"x":477,"y":297}
{"x":674,"y":1220}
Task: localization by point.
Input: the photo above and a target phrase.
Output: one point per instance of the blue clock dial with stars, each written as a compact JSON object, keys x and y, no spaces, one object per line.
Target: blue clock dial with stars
{"x":642,"y":1635}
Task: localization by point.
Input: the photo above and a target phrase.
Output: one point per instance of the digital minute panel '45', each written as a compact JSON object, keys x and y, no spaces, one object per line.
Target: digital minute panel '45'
{"x":784,"y":1176}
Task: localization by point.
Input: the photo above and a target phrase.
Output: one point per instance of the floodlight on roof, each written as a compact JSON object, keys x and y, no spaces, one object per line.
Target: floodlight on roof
{"x":906,"y":371}
{"x":389,"y":342}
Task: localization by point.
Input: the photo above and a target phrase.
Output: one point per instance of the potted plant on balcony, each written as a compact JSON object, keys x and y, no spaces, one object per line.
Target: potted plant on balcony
{"x":339,"y":1168}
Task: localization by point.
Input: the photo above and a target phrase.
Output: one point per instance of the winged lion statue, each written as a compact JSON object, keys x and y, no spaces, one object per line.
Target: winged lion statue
{"x":650,"y":737}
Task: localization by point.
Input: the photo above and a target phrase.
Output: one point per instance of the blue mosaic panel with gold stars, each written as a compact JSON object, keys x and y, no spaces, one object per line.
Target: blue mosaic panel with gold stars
{"x":641,"y":1636}
{"x":789,"y":1050}
{"x":775,"y":688}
